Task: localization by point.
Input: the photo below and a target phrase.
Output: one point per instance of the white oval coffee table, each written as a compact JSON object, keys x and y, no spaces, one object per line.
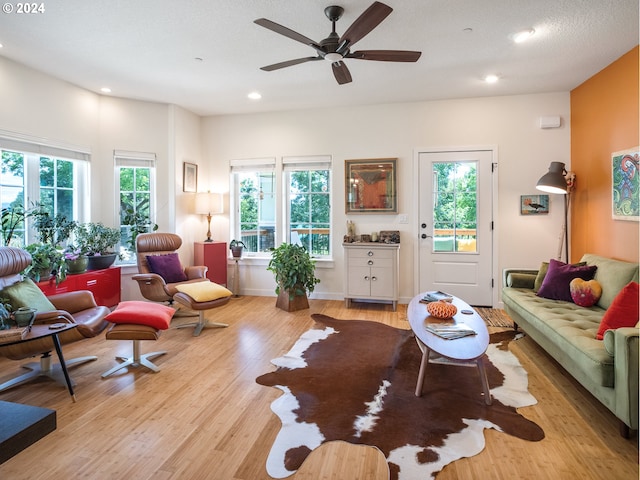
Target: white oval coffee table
{"x":465,"y":351}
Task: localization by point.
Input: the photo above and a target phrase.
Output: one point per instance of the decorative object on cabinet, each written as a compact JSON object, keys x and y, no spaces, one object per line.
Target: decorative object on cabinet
{"x":189,"y":177}
{"x":370,"y":186}
{"x":389,"y":236}
{"x":208,"y":204}
{"x":98,"y":242}
{"x":626,"y":184}
{"x":294,"y":271}
{"x":371,"y":272}
{"x":214,"y":256}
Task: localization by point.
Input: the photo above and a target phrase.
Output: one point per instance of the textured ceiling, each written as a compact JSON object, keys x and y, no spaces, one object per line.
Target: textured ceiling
{"x":147,"y":49}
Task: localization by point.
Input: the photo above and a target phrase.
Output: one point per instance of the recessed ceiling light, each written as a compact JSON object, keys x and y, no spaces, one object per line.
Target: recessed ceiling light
{"x":491,"y":78}
{"x":105,"y":90}
{"x":254,"y":96}
{"x":1,"y":45}
{"x":524,"y":35}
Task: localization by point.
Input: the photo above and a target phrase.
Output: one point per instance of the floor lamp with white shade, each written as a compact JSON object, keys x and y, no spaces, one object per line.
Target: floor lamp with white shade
{"x":558,"y":180}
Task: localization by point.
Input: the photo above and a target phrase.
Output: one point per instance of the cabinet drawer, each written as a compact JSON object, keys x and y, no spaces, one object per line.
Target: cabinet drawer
{"x":371,"y":253}
{"x":371,"y":262}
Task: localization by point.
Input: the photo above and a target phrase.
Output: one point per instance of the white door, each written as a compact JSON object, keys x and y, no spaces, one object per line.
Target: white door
{"x":455,"y":224}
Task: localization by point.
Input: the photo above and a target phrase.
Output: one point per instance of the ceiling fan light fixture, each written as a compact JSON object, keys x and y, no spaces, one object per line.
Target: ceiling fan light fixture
{"x":254,"y":96}
{"x":333,"y":57}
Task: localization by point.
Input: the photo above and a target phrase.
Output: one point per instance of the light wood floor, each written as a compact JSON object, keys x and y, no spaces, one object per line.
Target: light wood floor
{"x":204,"y":417}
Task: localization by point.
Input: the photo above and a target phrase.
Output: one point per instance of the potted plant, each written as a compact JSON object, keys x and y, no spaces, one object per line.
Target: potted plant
{"x":46,"y":260}
{"x":77,"y":262}
{"x":138,"y":223}
{"x":97,"y":242}
{"x":295,"y":276}
{"x":52,"y":229}
{"x":236,"y":247}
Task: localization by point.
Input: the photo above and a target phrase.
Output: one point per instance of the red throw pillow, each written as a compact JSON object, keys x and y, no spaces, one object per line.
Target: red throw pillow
{"x":136,"y":312}
{"x":555,"y":285}
{"x":623,"y":312}
{"x":167,"y":266}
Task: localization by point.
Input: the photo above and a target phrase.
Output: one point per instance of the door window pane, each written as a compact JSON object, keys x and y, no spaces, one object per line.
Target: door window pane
{"x":454,"y":207}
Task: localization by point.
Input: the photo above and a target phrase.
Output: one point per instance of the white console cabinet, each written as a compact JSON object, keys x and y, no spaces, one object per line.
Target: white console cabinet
{"x":371,"y":272}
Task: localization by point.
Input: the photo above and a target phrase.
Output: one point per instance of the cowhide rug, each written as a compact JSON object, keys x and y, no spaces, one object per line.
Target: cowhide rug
{"x":354,"y":380}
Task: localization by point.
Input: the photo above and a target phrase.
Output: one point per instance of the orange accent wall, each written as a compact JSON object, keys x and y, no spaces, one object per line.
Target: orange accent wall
{"x":604,"y":119}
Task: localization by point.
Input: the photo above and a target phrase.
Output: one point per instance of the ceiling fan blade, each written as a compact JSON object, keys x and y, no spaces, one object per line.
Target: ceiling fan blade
{"x":289,"y":63}
{"x":386,"y":55}
{"x":366,"y":22}
{"x":287,"y":32}
{"x":341,"y":72}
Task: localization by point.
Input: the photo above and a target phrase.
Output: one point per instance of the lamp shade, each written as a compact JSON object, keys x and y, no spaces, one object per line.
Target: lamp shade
{"x":554,"y":180}
{"x":208,"y":203}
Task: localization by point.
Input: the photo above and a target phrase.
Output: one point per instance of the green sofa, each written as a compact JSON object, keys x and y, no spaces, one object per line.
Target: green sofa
{"x":607,"y":368}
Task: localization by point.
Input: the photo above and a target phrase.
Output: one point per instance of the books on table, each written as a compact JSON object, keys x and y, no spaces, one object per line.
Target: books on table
{"x":436,"y":296}
{"x":450,"y":331}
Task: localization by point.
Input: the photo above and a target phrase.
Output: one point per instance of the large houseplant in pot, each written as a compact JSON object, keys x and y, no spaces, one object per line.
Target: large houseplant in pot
{"x":294,"y":271}
{"x":97,"y":242}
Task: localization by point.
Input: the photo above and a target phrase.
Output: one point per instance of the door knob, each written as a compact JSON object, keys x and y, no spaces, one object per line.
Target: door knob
{"x":424,"y":235}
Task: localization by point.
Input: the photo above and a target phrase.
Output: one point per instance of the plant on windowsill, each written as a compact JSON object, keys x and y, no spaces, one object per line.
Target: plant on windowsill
{"x":52,"y":229}
{"x":138,"y":223}
{"x":46,"y":261}
{"x":294,"y":272}
{"x":98,"y":243}
{"x":77,"y":262}
{"x":236,"y":247}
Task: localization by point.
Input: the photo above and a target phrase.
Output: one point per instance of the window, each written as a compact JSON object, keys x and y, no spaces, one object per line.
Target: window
{"x":135,"y":177}
{"x":34,"y":171}
{"x":262,"y":218}
{"x":454,"y":206}
{"x":308,"y":220}
{"x":254,"y":187}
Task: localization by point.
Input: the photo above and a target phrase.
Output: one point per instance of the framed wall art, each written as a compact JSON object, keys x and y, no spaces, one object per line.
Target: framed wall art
{"x":189,"y":177}
{"x":370,"y":186}
{"x":624,"y":184}
{"x":534,"y":204}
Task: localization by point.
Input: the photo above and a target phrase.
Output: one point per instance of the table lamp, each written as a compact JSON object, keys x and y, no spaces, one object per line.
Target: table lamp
{"x":208,"y":204}
{"x":558,"y":180}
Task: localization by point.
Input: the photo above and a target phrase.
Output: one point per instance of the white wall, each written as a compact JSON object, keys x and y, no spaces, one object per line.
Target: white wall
{"x":399,"y":130}
{"x":39,"y":105}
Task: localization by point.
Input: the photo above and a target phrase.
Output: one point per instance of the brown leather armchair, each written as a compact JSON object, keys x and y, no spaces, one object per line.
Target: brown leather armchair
{"x":152,"y":286}
{"x":73,"y":307}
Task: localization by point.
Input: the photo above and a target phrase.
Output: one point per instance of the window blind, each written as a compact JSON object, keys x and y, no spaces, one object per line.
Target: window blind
{"x":42,"y":146}
{"x":313,"y":162}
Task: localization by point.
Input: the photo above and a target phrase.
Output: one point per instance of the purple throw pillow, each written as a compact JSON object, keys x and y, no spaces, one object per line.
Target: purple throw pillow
{"x":555,"y":285}
{"x":167,"y":266}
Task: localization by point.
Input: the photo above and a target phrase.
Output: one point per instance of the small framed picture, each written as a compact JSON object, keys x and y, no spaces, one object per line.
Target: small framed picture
{"x":190,"y":177}
{"x":370,"y":186}
{"x":534,"y":204}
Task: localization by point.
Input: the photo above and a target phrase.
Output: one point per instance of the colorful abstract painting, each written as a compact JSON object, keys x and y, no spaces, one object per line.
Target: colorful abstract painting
{"x":625,"y":184}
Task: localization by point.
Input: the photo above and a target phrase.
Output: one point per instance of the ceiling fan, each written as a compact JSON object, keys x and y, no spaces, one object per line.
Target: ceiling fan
{"x":336,"y":48}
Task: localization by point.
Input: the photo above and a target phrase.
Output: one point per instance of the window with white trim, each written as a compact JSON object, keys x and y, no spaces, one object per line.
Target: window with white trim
{"x":135,"y":178}
{"x":308,"y":203}
{"x":288,"y":201}
{"x":253,"y":186}
{"x":36,"y":171}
